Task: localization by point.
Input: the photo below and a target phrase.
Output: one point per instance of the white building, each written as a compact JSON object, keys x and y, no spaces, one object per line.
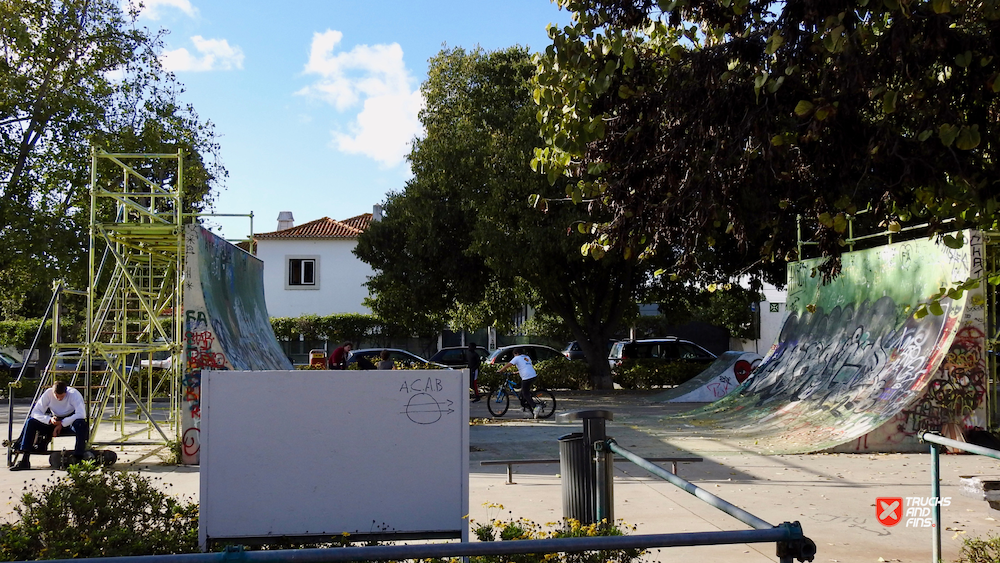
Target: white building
{"x":311,"y":269}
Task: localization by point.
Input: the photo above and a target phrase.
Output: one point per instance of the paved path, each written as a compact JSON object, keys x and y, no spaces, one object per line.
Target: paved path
{"x":832,"y":495}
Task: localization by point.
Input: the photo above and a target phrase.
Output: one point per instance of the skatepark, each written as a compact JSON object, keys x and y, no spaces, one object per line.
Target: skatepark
{"x":832,"y":495}
{"x":825,"y":425}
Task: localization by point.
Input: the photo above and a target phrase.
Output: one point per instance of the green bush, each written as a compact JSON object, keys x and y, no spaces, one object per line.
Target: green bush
{"x":978,"y":550}
{"x":650,"y":373}
{"x":558,"y":373}
{"x":93,"y":512}
{"x":335,"y":328}
{"x":524,"y":529}
{"x":19,"y":334}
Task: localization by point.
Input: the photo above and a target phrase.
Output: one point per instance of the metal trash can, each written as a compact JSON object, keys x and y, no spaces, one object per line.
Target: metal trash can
{"x":576,"y":466}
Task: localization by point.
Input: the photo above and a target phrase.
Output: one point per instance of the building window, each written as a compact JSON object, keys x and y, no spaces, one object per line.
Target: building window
{"x":303,"y":272}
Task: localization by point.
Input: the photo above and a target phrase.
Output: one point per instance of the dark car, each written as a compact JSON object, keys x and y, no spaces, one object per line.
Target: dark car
{"x":537,"y":353}
{"x":454,"y":356}
{"x":572,"y":351}
{"x":669,"y":349}
{"x":71,"y":361}
{"x":12,"y":366}
{"x":368,"y":358}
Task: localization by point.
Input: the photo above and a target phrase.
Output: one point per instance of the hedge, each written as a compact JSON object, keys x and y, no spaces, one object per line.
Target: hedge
{"x":19,"y":334}
{"x":649,"y":373}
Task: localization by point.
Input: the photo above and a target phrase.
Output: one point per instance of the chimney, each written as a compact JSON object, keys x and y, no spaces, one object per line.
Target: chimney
{"x":285,"y":220}
{"x":377,"y":213}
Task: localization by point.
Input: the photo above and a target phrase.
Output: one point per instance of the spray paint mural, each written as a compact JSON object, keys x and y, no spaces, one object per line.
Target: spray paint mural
{"x":851,"y":356}
{"x":225,"y":322}
{"x":725,"y":374}
{"x":954,"y":399}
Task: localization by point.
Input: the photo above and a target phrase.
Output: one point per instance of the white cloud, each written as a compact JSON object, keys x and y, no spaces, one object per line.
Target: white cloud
{"x":213,"y":54}
{"x":376,"y":78}
{"x":154,"y":9}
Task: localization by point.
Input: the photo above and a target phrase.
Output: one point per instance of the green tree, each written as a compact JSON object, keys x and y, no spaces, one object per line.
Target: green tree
{"x":697,"y":122}
{"x":461,"y":240}
{"x":76,"y":74}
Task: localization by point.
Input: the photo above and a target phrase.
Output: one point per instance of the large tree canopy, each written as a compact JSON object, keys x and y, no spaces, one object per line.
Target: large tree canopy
{"x":76,"y":74}
{"x":700,"y":123}
{"x":461,"y":236}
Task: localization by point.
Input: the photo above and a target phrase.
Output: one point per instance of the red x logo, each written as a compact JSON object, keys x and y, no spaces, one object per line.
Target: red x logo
{"x":889,"y":510}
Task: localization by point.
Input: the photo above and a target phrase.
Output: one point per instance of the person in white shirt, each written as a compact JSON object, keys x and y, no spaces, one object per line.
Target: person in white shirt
{"x":526,"y":370}
{"x":59,"y":410}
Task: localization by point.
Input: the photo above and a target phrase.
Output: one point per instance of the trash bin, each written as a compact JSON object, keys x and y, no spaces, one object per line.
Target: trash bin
{"x":576,"y":466}
{"x":587,"y":468}
{"x":317,"y":358}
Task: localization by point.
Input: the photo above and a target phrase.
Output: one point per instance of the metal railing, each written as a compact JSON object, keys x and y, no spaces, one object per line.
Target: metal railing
{"x":793,"y":545}
{"x":937,"y":442}
{"x":783,"y":533}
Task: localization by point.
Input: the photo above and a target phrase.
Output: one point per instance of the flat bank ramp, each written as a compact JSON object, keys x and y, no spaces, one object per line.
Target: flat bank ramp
{"x":851,"y":354}
{"x":725,"y":374}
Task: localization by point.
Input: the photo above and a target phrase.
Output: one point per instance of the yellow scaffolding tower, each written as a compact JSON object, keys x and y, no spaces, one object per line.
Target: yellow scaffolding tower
{"x":134,"y":300}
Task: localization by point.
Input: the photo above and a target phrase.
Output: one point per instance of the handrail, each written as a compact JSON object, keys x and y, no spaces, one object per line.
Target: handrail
{"x":512,"y":462}
{"x":728,"y":508}
{"x":785,"y":532}
{"x":56,"y":289}
{"x":936,"y":441}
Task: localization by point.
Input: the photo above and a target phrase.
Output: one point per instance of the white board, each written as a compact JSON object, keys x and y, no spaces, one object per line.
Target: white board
{"x":323,"y":453}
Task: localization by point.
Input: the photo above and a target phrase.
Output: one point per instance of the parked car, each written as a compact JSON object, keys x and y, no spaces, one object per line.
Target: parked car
{"x":12,"y":366}
{"x":669,"y":349}
{"x":367,"y":358}
{"x":572,"y":351}
{"x":454,"y":356}
{"x":71,"y":361}
{"x":537,"y":353}
{"x":161,"y":360}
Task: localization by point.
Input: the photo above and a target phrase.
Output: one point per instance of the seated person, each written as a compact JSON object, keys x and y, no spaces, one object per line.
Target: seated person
{"x":59,"y":409}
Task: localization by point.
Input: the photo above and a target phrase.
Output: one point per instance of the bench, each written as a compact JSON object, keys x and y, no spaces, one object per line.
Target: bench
{"x":510,"y":463}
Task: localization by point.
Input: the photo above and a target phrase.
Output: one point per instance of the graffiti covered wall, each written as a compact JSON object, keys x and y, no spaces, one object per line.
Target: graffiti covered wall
{"x":954,"y":397}
{"x":851,"y":356}
{"x":725,"y":374}
{"x":226,"y":325}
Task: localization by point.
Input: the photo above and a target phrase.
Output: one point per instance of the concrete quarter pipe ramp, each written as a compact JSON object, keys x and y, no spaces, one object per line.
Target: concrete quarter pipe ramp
{"x":851,"y":356}
{"x":225,"y":321}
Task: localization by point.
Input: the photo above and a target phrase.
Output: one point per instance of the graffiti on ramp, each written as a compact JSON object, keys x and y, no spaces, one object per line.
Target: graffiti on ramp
{"x":725,"y":374}
{"x":225,"y":322}
{"x":851,"y":355}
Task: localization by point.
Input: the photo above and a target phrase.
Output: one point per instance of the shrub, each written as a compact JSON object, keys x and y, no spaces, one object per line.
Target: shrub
{"x":488,"y":376}
{"x":93,"y":512}
{"x":558,"y":373}
{"x":978,"y":550}
{"x":650,"y":373}
{"x":19,"y":334}
{"x":524,"y":529}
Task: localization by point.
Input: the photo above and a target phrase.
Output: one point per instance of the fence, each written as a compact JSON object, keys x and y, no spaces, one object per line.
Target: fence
{"x":937,"y":442}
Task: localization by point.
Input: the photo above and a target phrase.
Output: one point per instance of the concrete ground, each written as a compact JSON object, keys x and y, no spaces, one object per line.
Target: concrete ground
{"x":833,"y":496}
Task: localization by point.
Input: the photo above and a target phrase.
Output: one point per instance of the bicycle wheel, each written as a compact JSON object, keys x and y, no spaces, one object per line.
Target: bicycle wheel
{"x":498,"y":401}
{"x":545,"y":402}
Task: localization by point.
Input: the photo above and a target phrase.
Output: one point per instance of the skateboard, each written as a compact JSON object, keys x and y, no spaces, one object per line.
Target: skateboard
{"x":65,"y":458}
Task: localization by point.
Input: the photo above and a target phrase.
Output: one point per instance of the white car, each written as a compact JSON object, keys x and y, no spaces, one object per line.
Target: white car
{"x":161,"y":360}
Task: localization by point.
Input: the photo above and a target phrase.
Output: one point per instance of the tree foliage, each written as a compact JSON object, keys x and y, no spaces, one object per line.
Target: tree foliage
{"x":707,"y":124}
{"x":77,"y":74}
{"x":461,"y":240}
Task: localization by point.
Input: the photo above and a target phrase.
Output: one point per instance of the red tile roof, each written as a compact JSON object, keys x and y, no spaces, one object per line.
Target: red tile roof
{"x":323,"y":228}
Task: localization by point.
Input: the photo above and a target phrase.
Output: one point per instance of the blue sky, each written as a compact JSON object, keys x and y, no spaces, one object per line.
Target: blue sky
{"x":315,"y":101}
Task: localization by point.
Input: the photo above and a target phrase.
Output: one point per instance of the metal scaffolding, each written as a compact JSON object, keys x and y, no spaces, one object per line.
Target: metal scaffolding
{"x":133,"y":303}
